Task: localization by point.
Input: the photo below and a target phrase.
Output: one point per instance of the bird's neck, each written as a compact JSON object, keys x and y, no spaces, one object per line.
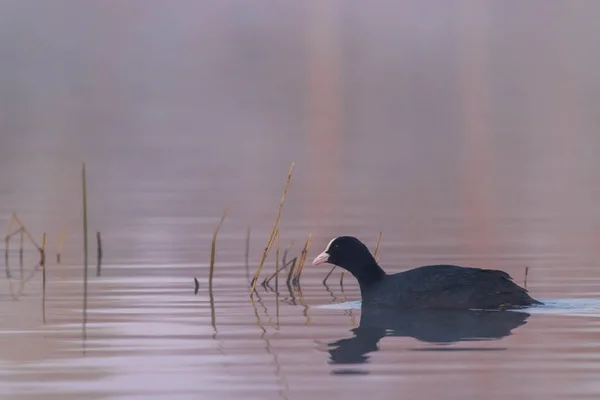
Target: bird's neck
{"x":369,"y":276}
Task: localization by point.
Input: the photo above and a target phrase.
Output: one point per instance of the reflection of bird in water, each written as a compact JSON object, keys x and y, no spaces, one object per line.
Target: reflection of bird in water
{"x":427,"y":325}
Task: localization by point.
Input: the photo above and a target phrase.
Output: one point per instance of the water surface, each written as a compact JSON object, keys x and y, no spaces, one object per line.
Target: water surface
{"x":465,"y":131}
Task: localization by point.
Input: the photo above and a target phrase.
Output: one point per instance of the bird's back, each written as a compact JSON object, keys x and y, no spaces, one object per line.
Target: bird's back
{"x":449,"y":286}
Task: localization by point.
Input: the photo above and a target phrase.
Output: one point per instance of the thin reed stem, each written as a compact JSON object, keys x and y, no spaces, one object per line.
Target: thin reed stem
{"x":43,"y":251}
{"x":248,"y":254}
{"x":328,"y":275}
{"x":85,"y":247}
{"x":277,"y":263}
{"x":377,"y":246}
{"x":99,"y":254}
{"x":275,"y":227}
{"x":302,"y":259}
{"x":213,"y":314}
{"x":43,"y":264}
{"x":213,"y":248}
{"x":61,"y":244}
{"x":21,"y":246}
{"x":27,"y":232}
{"x":270,"y":278}
{"x":291,"y":273}
{"x":285,"y":253}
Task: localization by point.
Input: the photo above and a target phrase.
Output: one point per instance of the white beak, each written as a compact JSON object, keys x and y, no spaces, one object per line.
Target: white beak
{"x":321,"y":258}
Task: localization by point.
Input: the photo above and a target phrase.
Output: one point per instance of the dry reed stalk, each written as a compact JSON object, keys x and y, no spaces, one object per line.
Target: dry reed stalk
{"x":99,"y":244}
{"x":277,"y":307}
{"x":85,"y":245}
{"x":270,"y":278}
{"x":7,"y":237}
{"x":43,"y":251}
{"x":27,"y":232}
{"x":302,"y":259}
{"x":213,"y":247}
{"x":21,"y":245}
{"x":19,"y":230}
{"x":285,"y":253}
{"x":22,"y":230}
{"x":377,"y":246}
{"x":10,"y":222}
{"x":99,"y":254}
{"x":61,"y":244}
{"x":7,"y":243}
{"x":292,"y":269}
{"x":284,"y":264}
{"x":328,"y":275}
{"x":277,"y":262}
{"x":526,"y":273}
{"x":213,"y":315}
{"x":258,"y":321}
{"x":29,"y":277}
{"x":247,"y":258}
{"x":43,"y":264}
{"x":275,"y":227}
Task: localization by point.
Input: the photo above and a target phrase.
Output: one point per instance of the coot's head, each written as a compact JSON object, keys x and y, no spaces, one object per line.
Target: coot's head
{"x":349,"y":253}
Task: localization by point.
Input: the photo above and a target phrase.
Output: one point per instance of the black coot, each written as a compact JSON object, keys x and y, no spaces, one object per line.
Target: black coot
{"x":431,"y":286}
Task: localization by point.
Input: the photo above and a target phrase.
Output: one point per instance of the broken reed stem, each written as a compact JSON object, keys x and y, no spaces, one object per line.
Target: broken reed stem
{"x":277,"y":263}
{"x":302,"y":259}
{"x":328,"y":275}
{"x":99,"y":254}
{"x":269,"y":278}
{"x":7,"y":242}
{"x":19,"y":230}
{"x":43,"y":251}
{"x":213,"y":248}
{"x":22,"y":230}
{"x":99,"y":243}
{"x":10,"y":222}
{"x":291,"y":273}
{"x":377,"y":246}
{"x":29,"y":277}
{"x":285,"y":253}
{"x":85,"y":244}
{"x":526,"y":273}
{"x":61,"y":244}
{"x":43,"y":264}
{"x":26,"y":232}
{"x":248,"y":254}
{"x":21,"y":245}
{"x":275,"y":227}
{"x":213,"y":315}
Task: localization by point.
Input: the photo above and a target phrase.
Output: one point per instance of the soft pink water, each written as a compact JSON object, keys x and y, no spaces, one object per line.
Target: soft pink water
{"x":465,"y":131}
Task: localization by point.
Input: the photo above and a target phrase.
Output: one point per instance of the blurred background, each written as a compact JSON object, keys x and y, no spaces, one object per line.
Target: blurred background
{"x":466,"y":131}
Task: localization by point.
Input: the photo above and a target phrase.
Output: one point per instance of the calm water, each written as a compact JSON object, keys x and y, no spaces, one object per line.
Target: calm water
{"x":465,"y":131}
